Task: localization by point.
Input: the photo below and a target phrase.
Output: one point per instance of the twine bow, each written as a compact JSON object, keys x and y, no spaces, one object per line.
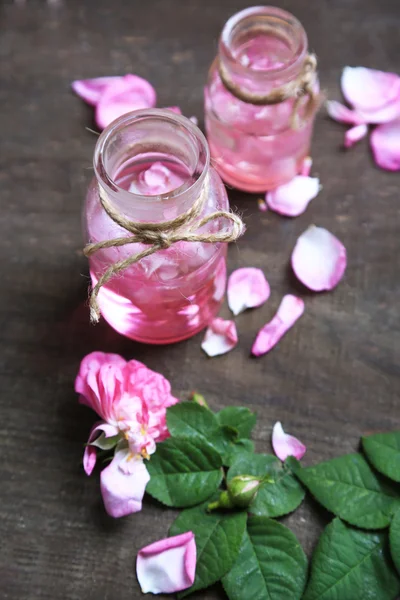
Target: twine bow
{"x":303,"y":85}
{"x":159,"y":236}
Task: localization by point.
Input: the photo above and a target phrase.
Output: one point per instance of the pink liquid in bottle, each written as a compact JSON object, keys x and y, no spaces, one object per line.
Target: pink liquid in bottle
{"x":254,"y":147}
{"x":175,"y":292}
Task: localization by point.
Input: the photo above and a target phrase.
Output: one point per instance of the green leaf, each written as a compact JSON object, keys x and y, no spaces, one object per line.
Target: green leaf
{"x":271,"y":564}
{"x":349,"y":488}
{"x":394,"y":536}
{"x":236,"y":450}
{"x":195,"y":422}
{"x":218,"y":537}
{"x":238,"y":417}
{"x":183,"y":472}
{"x":191,"y":421}
{"x":273,"y":499}
{"x":349,"y":564}
{"x":383,"y":451}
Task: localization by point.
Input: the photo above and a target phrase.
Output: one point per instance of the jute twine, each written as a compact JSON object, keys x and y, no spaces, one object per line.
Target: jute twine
{"x":303,"y":85}
{"x":159,"y":236}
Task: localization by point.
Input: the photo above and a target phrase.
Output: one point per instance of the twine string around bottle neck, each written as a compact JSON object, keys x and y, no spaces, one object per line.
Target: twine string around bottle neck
{"x":303,"y":85}
{"x":159,"y":236}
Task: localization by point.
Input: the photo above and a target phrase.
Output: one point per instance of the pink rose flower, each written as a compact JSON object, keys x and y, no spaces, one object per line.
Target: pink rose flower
{"x":131,"y":401}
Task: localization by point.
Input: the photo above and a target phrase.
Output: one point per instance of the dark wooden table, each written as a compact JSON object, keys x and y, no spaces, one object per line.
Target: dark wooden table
{"x":333,"y":378}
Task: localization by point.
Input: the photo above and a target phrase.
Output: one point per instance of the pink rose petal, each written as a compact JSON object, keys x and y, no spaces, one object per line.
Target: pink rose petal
{"x":368,"y":89}
{"x":167,"y":566}
{"x":382,"y":115}
{"x":124,"y":95}
{"x":174,"y":109}
{"x":89,"y":459}
{"x":90,"y":90}
{"x":354,"y":135}
{"x":262,"y":205}
{"x":291,"y":199}
{"x":343,"y":114}
{"x":385,"y":144}
{"x":90,"y":454}
{"x":123,"y":489}
{"x":285,"y":445}
{"x":155,"y":180}
{"x":319,"y":259}
{"x":290,"y":309}
{"x":247,"y":288}
{"x":306,"y":166}
{"x":221,"y":337}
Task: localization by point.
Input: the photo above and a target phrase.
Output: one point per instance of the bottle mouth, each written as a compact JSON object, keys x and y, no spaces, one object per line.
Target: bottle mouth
{"x":147,"y":135}
{"x":269,"y":24}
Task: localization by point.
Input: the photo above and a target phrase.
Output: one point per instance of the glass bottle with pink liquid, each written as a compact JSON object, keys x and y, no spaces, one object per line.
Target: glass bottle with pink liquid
{"x":256,"y":146}
{"x":153,"y":165}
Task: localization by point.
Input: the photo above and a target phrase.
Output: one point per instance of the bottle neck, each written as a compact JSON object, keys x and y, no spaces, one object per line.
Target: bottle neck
{"x":261,"y":49}
{"x":132,"y":144}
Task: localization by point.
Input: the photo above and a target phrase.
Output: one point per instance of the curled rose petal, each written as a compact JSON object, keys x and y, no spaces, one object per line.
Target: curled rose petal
{"x":123,"y":489}
{"x":90,"y":454}
{"x":167,"y":566}
{"x":221,"y":337}
{"x":291,"y":199}
{"x":306,"y":166}
{"x":354,"y":135}
{"x":247,"y":288}
{"x":285,"y":445}
{"x":90,"y":90}
{"x":124,"y":95}
{"x":368,"y":89}
{"x":319,"y":259}
{"x":343,"y":114}
{"x":291,"y":308}
{"x":385,"y":144}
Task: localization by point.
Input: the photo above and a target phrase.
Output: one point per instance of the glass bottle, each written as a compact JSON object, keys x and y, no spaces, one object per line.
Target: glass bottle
{"x":256,"y":146}
{"x":153,"y":165}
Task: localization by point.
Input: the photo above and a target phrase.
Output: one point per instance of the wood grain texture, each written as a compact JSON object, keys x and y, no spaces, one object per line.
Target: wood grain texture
{"x":332,"y":379}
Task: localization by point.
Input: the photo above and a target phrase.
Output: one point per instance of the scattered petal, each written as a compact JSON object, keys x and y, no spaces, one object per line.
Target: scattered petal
{"x":291,"y":199}
{"x":221,"y":337}
{"x":319,"y":259}
{"x":247,"y":288}
{"x":382,"y":115}
{"x":90,"y":90}
{"x":285,"y":445}
{"x":385,"y":144}
{"x":123,"y":489}
{"x":124,"y":95}
{"x":290,"y":310}
{"x":343,"y":114}
{"x":354,"y":135}
{"x":262,"y":205}
{"x":167,"y":566}
{"x":368,"y":89}
{"x":306,"y":166}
